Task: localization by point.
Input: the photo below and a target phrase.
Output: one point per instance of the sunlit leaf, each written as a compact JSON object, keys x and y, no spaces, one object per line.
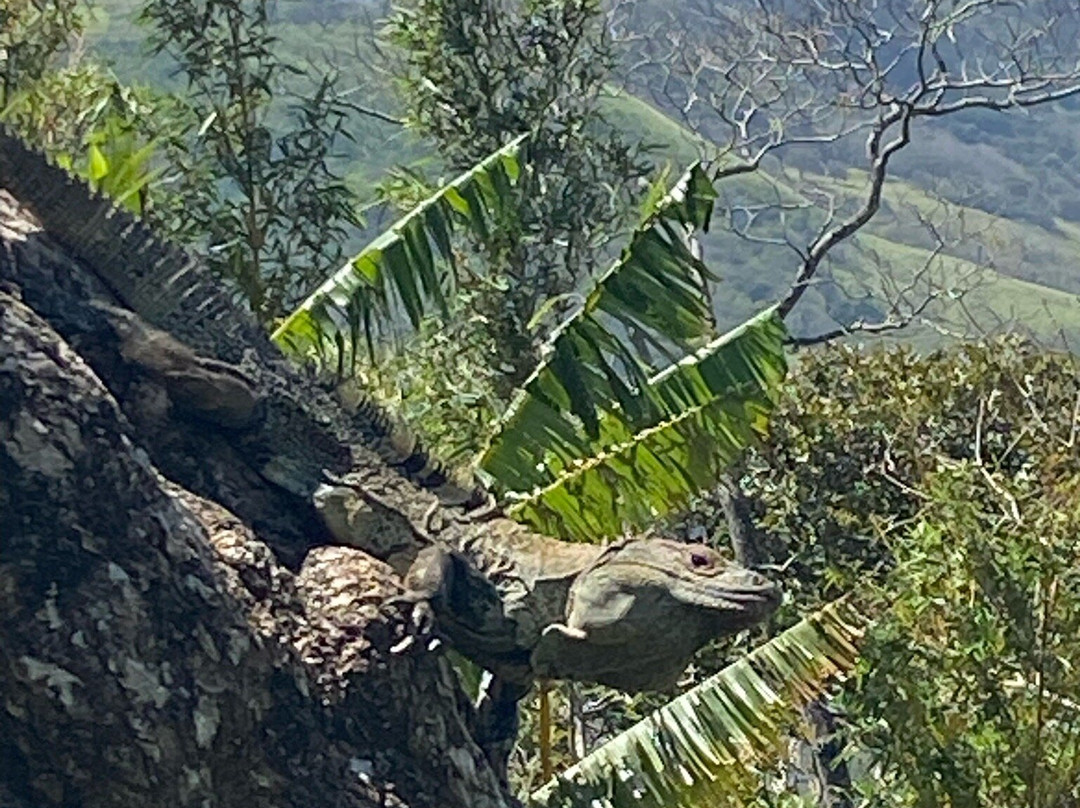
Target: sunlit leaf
{"x":604,"y":436}
{"x":702,"y":413}
{"x":707,"y":746}
{"x":99,"y":166}
{"x":401,"y":264}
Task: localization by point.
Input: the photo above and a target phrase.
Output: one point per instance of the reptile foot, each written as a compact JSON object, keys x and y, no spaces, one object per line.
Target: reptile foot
{"x":423,"y":618}
{"x":421,"y":622}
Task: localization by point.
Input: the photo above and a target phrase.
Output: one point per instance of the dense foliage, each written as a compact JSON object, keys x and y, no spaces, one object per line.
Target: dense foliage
{"x":969,"y":683}
{"x":945,"y":489}
{"x":274,"y":212}
{"x":72,"y":106}
{"x":239,"y":165}
{"x":476,"y":73}
{"x":851,"y":447}
{"x":31,"y":35}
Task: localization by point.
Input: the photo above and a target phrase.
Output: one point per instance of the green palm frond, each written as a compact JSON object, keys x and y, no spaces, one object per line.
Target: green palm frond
{"x":403,"y":263}
{"x":598,"y":440}
{"x":707,"y":746}
{"x":692,"y":420}
{"x":653,"y":297}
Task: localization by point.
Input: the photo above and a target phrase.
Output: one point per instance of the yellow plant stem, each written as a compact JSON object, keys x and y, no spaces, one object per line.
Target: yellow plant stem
{"x":545,"y":731}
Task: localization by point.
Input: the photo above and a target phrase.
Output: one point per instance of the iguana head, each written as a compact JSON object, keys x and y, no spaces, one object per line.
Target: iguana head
{"x":638,"y":614}
{"x":690,"y":577}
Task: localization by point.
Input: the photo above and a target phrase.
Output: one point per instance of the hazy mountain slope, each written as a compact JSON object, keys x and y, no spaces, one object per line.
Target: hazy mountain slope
{"x":1008,"y":222}
{"x":1028,"y":274}
{"x":323,"y":35}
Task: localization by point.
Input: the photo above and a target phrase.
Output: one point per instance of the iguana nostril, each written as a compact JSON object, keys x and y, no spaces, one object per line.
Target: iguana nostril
{"x":758,"y":580}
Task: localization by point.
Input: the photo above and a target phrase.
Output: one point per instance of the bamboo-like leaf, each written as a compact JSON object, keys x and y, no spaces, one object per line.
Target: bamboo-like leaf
{"x":597,"y":441}
{"x":706,"y":747}
{"x":401,"y":262}
{"x":655,"y":293}
{"x":642,"y":457}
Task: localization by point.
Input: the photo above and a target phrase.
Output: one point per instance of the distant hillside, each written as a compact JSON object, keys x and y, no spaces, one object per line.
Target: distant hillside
{"x":325,"y":35}
{"x":1028,"y":273}
{"x":1010,"y":180}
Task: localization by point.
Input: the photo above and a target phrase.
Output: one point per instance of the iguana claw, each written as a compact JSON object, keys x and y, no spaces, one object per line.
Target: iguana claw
{"x":421,"y":619}
{"x":564,"y":630}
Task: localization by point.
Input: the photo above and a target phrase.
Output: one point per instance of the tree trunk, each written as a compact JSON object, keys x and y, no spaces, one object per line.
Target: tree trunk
{"x":834,"y":779}
{"x":745,"y":543}
{"x":154,"y":649}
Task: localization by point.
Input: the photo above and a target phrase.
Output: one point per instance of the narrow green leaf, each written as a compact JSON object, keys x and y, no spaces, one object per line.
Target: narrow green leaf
{"x":402,"y":260}
{"x":99,"y":165}
{"x":713,"y":740}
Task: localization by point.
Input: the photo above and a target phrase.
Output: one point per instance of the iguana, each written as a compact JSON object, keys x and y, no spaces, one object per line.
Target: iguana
{"x":630,"y":614}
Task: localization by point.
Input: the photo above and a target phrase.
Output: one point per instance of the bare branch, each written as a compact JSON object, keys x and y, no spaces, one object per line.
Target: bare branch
{"x":766,"y":79}
{"x":371,"y":113}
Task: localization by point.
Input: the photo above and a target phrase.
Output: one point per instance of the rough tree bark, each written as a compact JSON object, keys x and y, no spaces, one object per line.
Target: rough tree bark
{"x":154,"y":649}
{"x":743,"y":533}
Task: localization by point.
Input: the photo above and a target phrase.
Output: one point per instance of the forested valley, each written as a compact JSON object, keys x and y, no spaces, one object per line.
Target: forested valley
{"x":540,"y":402}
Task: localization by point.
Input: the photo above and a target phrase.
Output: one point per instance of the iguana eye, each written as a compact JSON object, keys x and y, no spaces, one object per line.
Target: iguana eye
{"x":700,"y":560}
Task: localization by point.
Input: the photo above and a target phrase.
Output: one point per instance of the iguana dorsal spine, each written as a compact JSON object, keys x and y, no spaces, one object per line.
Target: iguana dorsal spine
{"x":173,"y":290}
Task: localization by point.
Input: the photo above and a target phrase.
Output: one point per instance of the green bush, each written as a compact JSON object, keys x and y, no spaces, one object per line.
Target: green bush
{"x":855,"y":438}
{"x":943,"y":491}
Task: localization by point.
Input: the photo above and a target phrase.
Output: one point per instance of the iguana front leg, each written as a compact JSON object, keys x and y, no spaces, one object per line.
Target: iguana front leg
{"x":428,"y":579}
{"x":429,"y":588}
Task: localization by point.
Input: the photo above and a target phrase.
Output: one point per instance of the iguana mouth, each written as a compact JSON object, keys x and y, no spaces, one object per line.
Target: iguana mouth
{"x":735,"y":590}
{"x":764,"y":598}
{"x":741,"y":580}
{"x":769,"y":592}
